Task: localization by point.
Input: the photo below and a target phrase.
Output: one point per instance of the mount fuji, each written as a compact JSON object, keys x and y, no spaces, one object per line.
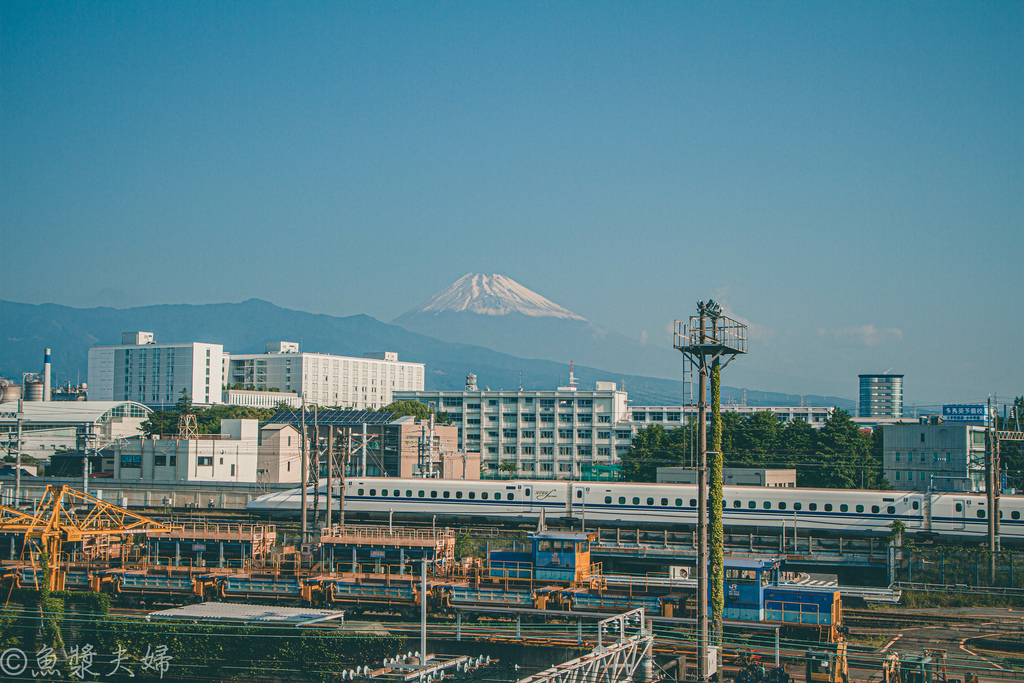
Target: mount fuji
{"x":497,"y":312}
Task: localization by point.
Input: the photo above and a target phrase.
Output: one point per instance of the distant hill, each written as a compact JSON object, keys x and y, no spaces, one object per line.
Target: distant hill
{"x":246,"y":327}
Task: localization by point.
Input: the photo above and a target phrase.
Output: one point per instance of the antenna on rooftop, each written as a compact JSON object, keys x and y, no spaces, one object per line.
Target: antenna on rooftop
{"x":572,"y":377}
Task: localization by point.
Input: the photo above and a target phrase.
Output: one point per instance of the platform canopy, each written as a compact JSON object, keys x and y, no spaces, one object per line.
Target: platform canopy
{"x":332,"y":418}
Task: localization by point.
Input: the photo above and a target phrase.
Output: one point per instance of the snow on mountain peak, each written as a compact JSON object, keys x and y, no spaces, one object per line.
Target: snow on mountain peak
{"x":492,"y":295}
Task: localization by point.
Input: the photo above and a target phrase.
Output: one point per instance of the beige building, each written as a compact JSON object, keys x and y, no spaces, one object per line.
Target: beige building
{"x":279,"y":456}
{"x":732,"y":476}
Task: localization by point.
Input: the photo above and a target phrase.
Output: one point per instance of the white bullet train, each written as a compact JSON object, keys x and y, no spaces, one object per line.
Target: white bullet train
{"x":830,"y":511}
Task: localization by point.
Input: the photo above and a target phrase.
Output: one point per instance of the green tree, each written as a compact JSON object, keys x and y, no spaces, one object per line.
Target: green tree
{"x":654,"y":447}
{"x":507,"y":466}
{"x":184,"y":404}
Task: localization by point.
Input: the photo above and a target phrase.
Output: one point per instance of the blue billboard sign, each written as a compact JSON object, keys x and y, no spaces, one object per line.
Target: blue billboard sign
{"x":971,"y":414}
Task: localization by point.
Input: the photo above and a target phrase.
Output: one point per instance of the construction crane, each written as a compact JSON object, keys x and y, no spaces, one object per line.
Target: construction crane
{"x":66,"y":516}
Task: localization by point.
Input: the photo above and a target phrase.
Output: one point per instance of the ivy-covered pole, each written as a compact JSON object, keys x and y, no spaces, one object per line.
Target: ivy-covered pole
{"x":715,"y":505}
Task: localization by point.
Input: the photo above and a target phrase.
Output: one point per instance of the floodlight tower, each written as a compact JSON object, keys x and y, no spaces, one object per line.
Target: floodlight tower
{"x":705,"y":338}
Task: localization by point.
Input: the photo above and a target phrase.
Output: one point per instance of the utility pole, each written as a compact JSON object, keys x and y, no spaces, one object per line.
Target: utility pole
{"x":990,"y":492}
{"x":705,"y":341}
{"x":330,"y":473}
{"x":305,"y":472}
{"x":17,"y":457}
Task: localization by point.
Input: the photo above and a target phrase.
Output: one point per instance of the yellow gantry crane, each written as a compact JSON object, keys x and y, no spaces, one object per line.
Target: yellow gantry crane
{"x":66,"y":515}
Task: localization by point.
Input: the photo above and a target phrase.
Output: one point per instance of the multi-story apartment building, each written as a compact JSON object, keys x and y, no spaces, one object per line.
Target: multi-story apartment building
{"x":365,"y":383}
{"x":561,"y":434}
{"x":677,"y":416}
{"x":881,"y":396}
{"x":943,"y":457}
{"x":153,"y":374}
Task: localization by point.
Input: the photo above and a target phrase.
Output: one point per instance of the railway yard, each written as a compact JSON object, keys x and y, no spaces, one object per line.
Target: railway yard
{"x":500,"y":587}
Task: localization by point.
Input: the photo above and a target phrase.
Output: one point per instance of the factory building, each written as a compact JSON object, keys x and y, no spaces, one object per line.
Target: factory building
{"x":230,"y":456}
{"x":49,"y":427}
{"x":366,"y":383}
{"x":141,"y":370}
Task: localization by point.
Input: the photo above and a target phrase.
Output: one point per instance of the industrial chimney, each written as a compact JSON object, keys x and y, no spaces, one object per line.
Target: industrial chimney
{"x":46,"y":375}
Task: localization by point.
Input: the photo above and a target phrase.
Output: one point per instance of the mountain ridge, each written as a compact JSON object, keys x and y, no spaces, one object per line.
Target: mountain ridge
{"x":245,"y":327}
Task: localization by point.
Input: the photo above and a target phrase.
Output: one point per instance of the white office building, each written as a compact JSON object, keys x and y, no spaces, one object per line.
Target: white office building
{"x":566,"y":433}
{"x":141,"y":370}
{"x":561,"y":434}
{"x":366,"y":383}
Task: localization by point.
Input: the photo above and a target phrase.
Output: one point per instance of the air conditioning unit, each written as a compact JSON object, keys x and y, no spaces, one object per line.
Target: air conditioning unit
{"x":679,"y":572}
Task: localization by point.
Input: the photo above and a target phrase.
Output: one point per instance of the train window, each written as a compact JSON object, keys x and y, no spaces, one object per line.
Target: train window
{"x":737,"y":503}
{"x":484,"y":495}
{"x":408,"y":494}
{"x":579,"y":493}
{"x":384,"y":492}
{"x":526,"y":492}
{"x":458,"y":494}
{"x":860,"y":508}
{"x":891,"y":510}
{"x":359,"y":492}
{"x":433,"y":494}
{"x":959,"y":507}
{"x":622,"y":500}
{"x":693,"y":502}
{"x":1015,"y":514}
{"x":782,"y":506}
{"x":874,"y":509}
{"x":798,"y":506}
{"x":664,"y":501}
{"x":472,"y":495}
{"x":981,"y":514}
{"x":844,"y":508}
{"x":447,"y":494}
{"x":510,"y":496}
{"x":544,"y":546}
{"x":650,"y":501}
{"x":679,"y":502}
{"x":420,"y":494}
{"x":767,"y":505}
{"x":751,"y":505}
{"x":607,"y":500}
{"x":373,"y":492}
{"x":828,"y":507}
{"x":916,"y":505}
{"x":636,"y":501}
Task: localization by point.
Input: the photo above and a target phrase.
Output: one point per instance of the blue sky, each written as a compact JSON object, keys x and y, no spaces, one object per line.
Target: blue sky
{"x":848,"y":177}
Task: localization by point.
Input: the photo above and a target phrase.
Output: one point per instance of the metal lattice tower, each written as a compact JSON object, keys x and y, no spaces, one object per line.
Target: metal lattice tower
{"x":187,"y":428}
{"x":705,"y":338}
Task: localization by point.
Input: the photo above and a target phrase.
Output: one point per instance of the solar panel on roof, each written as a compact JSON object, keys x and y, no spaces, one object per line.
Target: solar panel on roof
{"x":336,"y":418}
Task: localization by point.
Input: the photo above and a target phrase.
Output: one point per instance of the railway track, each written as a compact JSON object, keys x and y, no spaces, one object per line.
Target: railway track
{"x":889,"y":619}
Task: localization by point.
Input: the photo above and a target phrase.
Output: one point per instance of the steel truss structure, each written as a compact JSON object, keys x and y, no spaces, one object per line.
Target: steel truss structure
{"x":616,"y":663}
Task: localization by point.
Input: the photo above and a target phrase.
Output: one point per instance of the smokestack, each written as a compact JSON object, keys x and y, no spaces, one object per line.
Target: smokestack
{"x":46,"y":376}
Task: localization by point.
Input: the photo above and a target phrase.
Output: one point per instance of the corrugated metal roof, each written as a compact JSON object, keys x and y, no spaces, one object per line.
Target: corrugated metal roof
{"x":223,"y":611}
{"x":51,"y":412}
